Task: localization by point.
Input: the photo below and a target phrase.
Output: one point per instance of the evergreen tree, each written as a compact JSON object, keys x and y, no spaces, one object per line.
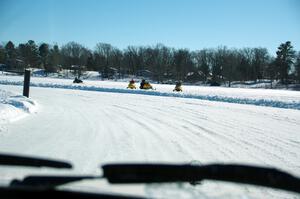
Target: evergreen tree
{"x":297,"y":67}
{"x":29,"y":54}
{"x":33,"y":58}
{"x":22,"y":55}
{"x":2,"y":55}
{"x":11,"y":54}
{"x":44,"y":56}
{"x":55,"y":57}
{"x":284,"y":60}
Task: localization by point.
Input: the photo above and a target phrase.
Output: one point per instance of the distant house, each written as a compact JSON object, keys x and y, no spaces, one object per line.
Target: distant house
{"x":15,"y":65}
{"x":76,"y":67}
{"x":110,"y":73}
{"x":195,"y":76}
{"x":77,"y":70}
{"x":144,"y":73}
{"x":20,"y":63}
{"x":168,"y":75}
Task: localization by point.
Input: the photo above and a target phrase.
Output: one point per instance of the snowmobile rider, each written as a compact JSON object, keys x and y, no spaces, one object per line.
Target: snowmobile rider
{"x":178,"y":87}
{"x":145,"y":85}
{"x":77,"y":80}
{"x":142,"y":84}
{"x":131,"y":84}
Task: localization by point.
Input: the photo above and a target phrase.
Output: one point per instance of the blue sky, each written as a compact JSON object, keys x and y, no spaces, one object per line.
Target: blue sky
{"x":192,"y":24}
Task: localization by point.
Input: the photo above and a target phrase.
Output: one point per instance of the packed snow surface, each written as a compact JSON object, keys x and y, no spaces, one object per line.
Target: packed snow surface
{"x":260,"y":97}
{"x":115,"y":124}
{"x":90,"y":128}
{"x":14,"y":107}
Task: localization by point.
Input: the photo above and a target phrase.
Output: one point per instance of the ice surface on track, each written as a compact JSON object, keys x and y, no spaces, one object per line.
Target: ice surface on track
{"x":260,"y":97}
{"x":93,"y":128}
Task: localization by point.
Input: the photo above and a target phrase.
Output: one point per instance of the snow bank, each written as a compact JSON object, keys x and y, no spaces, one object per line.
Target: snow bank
{"x":14,"y":107}
{"x":259,"y":97}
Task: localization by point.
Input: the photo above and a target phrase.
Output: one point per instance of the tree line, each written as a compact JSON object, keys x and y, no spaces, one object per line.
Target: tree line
{"x":219,"y":64}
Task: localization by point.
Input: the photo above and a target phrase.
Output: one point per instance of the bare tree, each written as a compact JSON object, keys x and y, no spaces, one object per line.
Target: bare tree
{"x":202,"y":59}
{"x":260,"y":61}
{"x":74,"y":54}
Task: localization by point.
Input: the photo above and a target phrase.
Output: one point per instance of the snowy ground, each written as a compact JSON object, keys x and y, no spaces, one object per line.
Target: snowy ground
{"x":261,"y":97}
{"x":91,"y":128}
{"x":14,"y":107}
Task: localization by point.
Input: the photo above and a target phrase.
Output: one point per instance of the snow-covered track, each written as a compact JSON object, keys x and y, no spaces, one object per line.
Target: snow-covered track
{"x":92,"y":128}
{"x":258,"y":97}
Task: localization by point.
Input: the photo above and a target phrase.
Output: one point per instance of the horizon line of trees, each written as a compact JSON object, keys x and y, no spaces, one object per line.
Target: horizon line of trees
{"x":219,"y":64}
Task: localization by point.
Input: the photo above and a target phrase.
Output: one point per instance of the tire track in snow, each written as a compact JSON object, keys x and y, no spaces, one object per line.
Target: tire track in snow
{"x":212,"y":137}
{"x":155,"y":121}
{"x":183,"y":131}
{"x":152,"y":131}
{"x":89,"y":128}
{"x":244,"y":144}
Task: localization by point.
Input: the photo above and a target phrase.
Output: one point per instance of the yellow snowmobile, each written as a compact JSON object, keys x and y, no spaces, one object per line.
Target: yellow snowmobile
{"x":178,"y":87}
{"x":145,"y":85}
{"x":131,"y":84}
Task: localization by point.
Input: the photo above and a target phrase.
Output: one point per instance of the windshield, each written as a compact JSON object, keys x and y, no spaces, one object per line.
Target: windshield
{"x":182,"y":82}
